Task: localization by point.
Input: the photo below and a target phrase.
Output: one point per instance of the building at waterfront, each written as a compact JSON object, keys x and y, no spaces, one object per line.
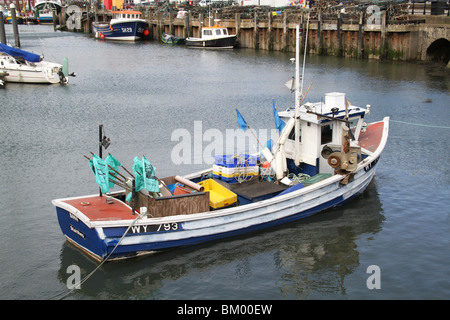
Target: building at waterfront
{"x":21,"y":4}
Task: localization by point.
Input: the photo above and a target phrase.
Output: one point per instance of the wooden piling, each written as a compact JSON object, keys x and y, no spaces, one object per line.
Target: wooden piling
{"x":2,"y":28}
{"x":14,"y":23}
{"x":360,"y":36}
{"x":255,"y":32}
{"x":339,"y":34}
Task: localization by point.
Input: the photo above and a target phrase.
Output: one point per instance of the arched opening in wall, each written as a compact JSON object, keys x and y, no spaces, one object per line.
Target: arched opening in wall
{"x":439,"y":51}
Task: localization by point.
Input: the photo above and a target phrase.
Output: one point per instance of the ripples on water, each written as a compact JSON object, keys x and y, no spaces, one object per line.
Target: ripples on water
{"x":141,"y":93}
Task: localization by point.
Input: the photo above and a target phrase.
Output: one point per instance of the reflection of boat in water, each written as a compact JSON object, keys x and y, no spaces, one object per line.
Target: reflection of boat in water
{"x":326,"y":143}
{"x":125,"y":26}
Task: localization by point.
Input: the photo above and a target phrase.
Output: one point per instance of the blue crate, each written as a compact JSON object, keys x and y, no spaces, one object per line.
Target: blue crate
{"x":230,"y":161}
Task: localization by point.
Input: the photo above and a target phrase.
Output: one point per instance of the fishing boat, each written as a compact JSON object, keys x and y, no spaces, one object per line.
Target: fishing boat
{"x":44,"y":10}
{"x":126,"y":25}
{"x":326,"y":155}
{"x":213,"y":37}
{"x":171,"y":39}
{"x":8,"y":17}
{"x":27,"y":67}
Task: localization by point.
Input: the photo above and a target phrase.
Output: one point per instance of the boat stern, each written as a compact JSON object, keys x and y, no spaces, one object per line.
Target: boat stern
{"x":77,"y":231}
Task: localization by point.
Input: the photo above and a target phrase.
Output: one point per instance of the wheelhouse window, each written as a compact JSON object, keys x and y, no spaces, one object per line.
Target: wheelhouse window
{"x":292,"y":134}
{"x":326,"y":133}
{"x":207,"y":32}
{"x":225,"y":32}
{"x":218,"y":32}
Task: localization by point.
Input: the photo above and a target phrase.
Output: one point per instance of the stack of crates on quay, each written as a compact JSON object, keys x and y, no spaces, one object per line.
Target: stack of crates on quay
{"x":233,"y":168}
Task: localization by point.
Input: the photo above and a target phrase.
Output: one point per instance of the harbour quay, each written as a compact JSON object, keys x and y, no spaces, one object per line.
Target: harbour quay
{"x":407,"y":31}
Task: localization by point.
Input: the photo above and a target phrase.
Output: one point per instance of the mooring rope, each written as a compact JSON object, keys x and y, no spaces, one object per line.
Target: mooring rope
{"x":421,"y":125}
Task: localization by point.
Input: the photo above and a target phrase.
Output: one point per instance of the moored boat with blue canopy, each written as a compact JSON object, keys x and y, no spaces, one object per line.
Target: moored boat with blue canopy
{"x":26,"y":67}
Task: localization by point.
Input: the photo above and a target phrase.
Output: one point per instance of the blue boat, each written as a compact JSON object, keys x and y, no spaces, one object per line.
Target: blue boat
{"x":124,"y":26}
{"x":325,"y":156}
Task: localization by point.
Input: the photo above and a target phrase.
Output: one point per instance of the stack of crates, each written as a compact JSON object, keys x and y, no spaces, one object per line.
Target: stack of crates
{"x":234,"y":168}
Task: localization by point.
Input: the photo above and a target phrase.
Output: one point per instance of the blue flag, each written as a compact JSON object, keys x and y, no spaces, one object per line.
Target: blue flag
{"x":241,"y":121}
{"x":279,"y":124}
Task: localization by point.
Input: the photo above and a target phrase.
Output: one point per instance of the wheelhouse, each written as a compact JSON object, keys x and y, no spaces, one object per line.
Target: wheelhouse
{"x":214,"y":32}
{"x":320,"y":133}
{"x":127,"y":14}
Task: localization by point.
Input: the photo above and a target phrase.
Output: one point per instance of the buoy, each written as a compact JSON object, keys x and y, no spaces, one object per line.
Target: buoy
{"x":266,"y":164}
{"x":146,"y":32}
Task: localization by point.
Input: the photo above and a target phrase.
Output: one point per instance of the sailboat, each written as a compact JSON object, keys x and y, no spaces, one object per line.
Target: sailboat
{"x":328,"y":144}
{"x":27,"y":67}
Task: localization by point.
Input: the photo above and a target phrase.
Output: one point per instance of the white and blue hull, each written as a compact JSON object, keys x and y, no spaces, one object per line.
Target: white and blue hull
{"x":100,"y":238}
{"x":121,"y":31}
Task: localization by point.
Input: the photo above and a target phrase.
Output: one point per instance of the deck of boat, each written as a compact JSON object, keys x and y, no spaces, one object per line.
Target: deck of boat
{"x":371,"y":138}
{"x":96,"y":208}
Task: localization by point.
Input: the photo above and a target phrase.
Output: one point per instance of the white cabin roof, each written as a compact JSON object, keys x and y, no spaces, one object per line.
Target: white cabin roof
{"x":333,"y":106}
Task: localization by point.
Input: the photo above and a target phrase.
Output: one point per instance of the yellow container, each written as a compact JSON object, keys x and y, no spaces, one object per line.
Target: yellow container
{"x":219,"y":196}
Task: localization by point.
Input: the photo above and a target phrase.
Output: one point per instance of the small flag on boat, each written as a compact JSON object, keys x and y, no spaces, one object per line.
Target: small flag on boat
{"x":115,"y":164}
{"x":150,"y":181}
{"x":241,"y":121}
{"x":279,"y":124}
{"x":101,"y":173}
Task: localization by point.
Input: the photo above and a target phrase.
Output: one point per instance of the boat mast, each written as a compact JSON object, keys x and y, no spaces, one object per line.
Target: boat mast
{"x":298,"y":89}
{"x":298,"y":93}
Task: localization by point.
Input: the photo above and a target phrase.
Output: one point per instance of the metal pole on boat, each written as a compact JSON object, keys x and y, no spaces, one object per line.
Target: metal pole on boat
{"x":14,"y":23}
{"x":297,"y":96}
{"x":100,"y":147}
{"x":2,"y":27}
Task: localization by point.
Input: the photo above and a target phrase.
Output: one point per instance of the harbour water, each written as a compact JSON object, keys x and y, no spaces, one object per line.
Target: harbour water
{"x":144,"y":92}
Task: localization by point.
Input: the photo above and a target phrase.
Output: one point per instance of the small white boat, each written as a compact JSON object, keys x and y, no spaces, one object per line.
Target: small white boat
{"x":26,"y":67}
{"x":215,"y":37}
{"x":326,"y":143}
